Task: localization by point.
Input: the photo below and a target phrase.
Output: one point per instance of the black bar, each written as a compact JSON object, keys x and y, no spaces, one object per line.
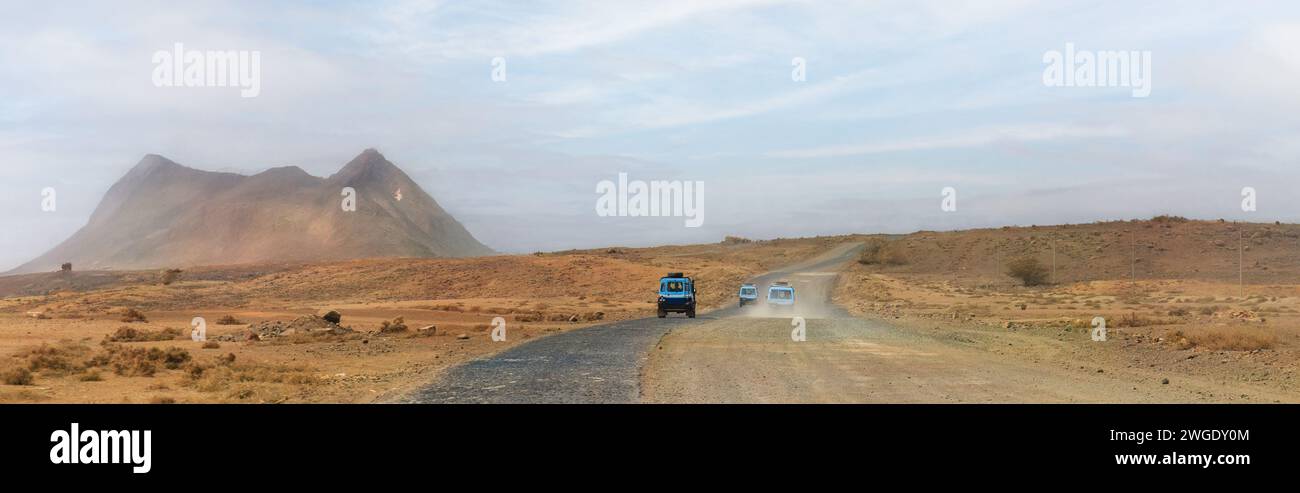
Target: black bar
{"x":353,"y":440}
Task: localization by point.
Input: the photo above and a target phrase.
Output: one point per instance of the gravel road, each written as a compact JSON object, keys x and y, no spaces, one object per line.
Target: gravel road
{"x":598,"y":364}
{"x":747,"y":355}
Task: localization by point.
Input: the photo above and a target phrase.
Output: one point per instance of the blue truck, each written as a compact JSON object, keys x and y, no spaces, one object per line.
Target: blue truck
{"x":780,"y":295}
{"x":748,"y":294}
{"x":676,"y":294}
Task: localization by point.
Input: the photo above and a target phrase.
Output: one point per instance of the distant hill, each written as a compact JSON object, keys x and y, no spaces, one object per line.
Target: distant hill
{"x":162,"y":214}
{"x":1160,"y":248}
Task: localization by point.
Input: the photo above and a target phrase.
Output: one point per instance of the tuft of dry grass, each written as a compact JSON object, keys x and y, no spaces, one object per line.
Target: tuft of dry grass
{"x":55,"y":359}
{"x":130,"y":334}
{"x":396,"y":326}
{"x":229,"y":320}
{"x":249,"y":381}
{"x":17,"y":376}
{"x":1227,"y":338}
{"x":131,"y":315}
{"x":139,"y":362}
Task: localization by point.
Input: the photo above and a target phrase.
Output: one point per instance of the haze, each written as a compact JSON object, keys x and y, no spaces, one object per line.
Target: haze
{"x":901,"y":99}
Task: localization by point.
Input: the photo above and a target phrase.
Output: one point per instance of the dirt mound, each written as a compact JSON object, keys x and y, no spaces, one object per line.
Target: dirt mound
{"x":310,"y":324}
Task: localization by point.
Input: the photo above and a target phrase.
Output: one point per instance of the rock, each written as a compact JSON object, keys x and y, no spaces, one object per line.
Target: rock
{"x":1164,"y":381}
{"x":333,"y":317}
{"x":462,"y":336}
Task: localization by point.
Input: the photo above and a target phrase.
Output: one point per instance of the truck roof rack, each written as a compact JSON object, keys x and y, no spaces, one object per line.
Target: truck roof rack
{"x":781,"y":283}
{"x":674,"y":274}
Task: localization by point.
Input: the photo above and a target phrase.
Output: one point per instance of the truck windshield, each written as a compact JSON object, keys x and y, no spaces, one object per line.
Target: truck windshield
{"x":780,"y":294}
{"x":747,"y":291}
{"x":672,"y":286}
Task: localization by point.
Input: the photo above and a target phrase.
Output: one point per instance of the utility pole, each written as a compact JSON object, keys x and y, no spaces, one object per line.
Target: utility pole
{"x":1133,"y":259}
{"x":1053,"y":259}
{"x":1241,"y":265}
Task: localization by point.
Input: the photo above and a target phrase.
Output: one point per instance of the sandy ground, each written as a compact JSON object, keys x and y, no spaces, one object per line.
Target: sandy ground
{"x":884,"y":356}
{"x":538,"y":295}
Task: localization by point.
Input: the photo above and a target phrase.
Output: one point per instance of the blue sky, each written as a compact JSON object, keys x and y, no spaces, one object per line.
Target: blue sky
{"x":901,"y":99}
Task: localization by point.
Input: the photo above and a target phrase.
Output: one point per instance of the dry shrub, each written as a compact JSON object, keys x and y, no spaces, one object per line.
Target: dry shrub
{"x":1230,"y":338}
{"x":229,"y":320}
{"x":735,"y":240}
{"x":90,"y":376}
{"x":132,"y":315}
{"x":58,"y":360}
{"x":1028,"y":270}
{"x":237,"y":378}
{"x":211,"y":345}
{"x":130,"y":334}
{"x":17,"y":376}
{"x":140,"y":362}
{"x":169,"y":276}
{"x":396,"y":326}
{"x":530,"y":317}
{"x":877,"y":251}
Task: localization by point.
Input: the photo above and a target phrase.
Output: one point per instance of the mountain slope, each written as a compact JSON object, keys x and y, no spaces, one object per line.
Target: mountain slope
{"x":162,"y":214}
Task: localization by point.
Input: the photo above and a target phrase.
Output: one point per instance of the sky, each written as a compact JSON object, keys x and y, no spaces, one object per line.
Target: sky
{"x":899,"y":100}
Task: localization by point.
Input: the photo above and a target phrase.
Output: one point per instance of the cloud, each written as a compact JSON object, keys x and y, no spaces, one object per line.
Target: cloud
{"x":972,"y":138}
{"x":902,"y":97}
{"x":512,"y":29}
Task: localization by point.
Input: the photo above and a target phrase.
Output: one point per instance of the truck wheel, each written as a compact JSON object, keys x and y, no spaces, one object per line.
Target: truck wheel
{"x":690,"y":313}
{"x":662,"y":314}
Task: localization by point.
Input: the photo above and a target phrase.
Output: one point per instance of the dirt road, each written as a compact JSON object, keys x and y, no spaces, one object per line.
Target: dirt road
{"x":747,"y":355}
{"x":599,"y":364}
{"x":751,"y":357}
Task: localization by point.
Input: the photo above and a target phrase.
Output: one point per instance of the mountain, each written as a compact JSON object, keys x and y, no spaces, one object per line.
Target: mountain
{"x":163,"y":214}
